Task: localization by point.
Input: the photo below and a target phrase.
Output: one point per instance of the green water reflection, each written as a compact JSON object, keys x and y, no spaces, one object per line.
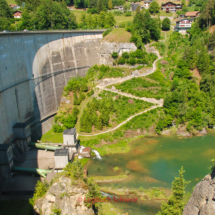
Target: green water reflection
{"x":154,"y":162}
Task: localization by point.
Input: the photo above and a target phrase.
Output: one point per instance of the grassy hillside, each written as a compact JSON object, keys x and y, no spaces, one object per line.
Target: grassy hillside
{"x":118,"y":35}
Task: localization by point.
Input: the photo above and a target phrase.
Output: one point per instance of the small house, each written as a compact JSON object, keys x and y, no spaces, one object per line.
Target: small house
{"x":147,"y":4}
{"x":17,"y":14}
{"x":192,"y":15}
{"x":85,"y":152}
{"x":134,"y":7}
{"x":171,"y":7}
{"x":183,"y":25}
{"x":69,"y":137}
{"x":61,"y":157}
{"x":121,"y":7}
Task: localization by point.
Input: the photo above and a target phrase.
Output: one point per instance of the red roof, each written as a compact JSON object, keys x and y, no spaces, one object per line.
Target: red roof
{"x":87,"y":149}
{"x":192,"y":13}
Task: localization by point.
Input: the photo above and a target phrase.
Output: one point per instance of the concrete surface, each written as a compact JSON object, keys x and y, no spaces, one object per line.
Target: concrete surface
{"x":22,"y":185}
{"x":30,"y":82}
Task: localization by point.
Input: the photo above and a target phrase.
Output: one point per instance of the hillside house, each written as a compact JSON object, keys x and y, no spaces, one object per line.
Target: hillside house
{"x":17,"y":14}
{"x":192,"y":15}
{"x":134,"y":6}
{"x":147,"y":4}
{"x":183,"y":25}
{"x":171,"y":7}
{"x":14,"y":7}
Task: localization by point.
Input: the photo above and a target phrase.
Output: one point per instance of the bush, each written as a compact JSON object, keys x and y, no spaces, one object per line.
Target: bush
{"x":128,"y":13}
{"x":125,"y":55}
{"x":107,"y":32}
{"x":121,"y":61}
{"x":57,"y":128}
{"x":92,"y":10}
{"x":166,"y":24}
{"x":132,"y":61}
{"x":114,"y":55}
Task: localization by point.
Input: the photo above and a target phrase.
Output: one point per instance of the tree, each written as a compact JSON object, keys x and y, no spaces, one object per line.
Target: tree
{"x":126,"y":6}
{"x":110,"y":5}
{"x":72,"y":21}
{"x":166,"y":24}
{"x":154,"y":7}
{"x":175,"y":203}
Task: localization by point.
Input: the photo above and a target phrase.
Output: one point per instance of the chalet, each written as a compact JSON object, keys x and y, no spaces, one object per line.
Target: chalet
{"x":147,"y":3}
{"x":14,"y":7}
{"x":192,"y":15}
{"x":183,"y":25}
{"x":17,"y":14}
{"x":171,"y":7}
{"x":121,"y":7}
{"x":134,"y":7}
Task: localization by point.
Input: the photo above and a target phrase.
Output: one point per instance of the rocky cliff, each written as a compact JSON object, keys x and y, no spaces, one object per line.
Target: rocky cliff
{"x":107,"y":48}
{"x":64,"y":197}
{"x":202,"y":201}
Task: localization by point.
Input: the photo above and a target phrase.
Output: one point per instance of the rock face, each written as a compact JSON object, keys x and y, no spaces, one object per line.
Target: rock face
{"x":107,"y":48}
{"x":202,"y":201}
{"x":64,"y":196}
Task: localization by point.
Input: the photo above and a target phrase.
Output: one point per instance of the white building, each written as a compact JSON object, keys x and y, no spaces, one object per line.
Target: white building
{"x":183,"y":25}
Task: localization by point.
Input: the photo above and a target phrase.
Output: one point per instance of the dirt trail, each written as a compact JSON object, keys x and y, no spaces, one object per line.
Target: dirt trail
{"x":109,"y":81}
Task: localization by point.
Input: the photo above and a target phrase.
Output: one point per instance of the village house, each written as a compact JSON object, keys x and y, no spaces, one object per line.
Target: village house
{"x":147,"y":3}
{"x":183,"y":25}
{"x":192,"y":15}
{"x":17,"y":14}
{"x":171,"y":7}
{"x":14,"y":7}
{"x":134,"y":6}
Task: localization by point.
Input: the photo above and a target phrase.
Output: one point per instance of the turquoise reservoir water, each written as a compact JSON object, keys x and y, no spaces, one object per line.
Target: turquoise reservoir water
{"x":154,"y":162}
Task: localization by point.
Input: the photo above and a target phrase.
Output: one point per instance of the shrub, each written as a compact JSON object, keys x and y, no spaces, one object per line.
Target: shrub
{"x":121,"y":60}
{"x":132,"y":61}
{"x":128,"y":13}
{"x":166,"y":24}
{"x":116,"y":168}
{"x":107,"y":32}
{"x":114,"y":55}
{"x":40,"y":191}
{"x":125,"y":55}
{"x":57,"y":128}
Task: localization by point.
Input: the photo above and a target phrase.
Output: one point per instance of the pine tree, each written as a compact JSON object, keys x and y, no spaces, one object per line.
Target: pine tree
{"x":175,"y":204}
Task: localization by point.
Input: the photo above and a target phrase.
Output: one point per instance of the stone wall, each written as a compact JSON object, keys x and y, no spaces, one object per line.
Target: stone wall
{"x":35,"y":67}
{"x":108,"y":48}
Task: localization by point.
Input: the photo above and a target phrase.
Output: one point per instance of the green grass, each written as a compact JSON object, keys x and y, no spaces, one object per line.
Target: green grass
{"x":142,"y":87}
{"x":52,"y":137}
{"x":107,"y":208}
{"x":123,"y":19}
{"x":163,"y":13}
{"x":11,"y":1}
{"x":191,"y":8}
{"x":78,"y":15}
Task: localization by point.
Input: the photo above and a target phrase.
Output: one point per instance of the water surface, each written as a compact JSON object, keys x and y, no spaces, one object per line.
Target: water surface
{"x":154,"y":162}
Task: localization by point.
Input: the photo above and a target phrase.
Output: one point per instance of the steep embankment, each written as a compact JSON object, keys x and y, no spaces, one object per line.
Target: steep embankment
{"x":202,"y":200}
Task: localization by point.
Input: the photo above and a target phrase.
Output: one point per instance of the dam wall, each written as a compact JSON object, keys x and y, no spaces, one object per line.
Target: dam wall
{"x":34,"y":68}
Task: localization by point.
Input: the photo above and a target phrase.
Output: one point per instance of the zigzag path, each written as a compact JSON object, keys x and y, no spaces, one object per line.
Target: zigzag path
{"x":109,"y":81}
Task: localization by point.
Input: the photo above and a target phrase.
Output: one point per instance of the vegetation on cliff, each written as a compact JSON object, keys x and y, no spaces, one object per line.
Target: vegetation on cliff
{"x":175,"y":203}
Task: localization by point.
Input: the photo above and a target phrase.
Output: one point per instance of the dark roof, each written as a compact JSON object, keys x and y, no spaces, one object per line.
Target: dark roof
{"x":4,"y":147}
{"x":134,"y":6}
{"x":169,"y":2}
{"x":20,"y":125}
{"x":70,"y":131}
{"x":61,"y":152}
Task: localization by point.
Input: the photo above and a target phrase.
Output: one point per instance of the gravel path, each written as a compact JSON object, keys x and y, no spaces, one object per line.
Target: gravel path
{"x":109,"y":81}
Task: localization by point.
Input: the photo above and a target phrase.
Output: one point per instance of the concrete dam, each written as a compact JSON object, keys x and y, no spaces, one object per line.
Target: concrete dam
{"x":35,"y":67}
